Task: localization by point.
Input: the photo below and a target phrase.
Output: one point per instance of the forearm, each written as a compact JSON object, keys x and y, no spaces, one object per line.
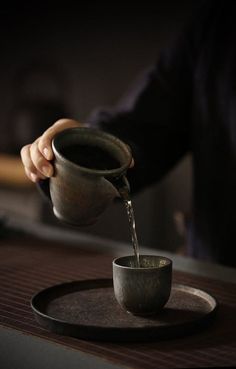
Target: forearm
{"x":12,"y":172}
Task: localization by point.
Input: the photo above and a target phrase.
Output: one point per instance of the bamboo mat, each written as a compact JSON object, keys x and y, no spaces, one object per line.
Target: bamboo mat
{"x":28,"y":265}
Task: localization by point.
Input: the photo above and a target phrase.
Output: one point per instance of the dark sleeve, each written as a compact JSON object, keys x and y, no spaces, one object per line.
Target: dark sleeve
{"x":155,"y":119}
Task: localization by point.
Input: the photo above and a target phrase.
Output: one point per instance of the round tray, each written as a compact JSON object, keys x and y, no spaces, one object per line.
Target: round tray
{"x":87,"y":309}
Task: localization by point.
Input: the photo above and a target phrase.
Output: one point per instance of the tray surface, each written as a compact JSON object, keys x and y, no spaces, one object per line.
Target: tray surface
{"x":88,"y":309}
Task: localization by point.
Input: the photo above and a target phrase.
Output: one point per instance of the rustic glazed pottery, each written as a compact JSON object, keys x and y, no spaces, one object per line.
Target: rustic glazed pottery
{"x":144,"y":290}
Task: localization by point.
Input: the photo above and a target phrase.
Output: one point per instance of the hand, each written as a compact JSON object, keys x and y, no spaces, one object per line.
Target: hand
{"x":36,"y":157}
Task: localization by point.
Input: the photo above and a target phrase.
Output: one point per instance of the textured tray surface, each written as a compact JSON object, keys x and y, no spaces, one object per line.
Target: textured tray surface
{"x":88,"y":309}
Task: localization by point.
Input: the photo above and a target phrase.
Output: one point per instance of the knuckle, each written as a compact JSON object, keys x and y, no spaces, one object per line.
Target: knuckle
{"x":31,"y":168}
{"x":44,"y":141}
{"x":28,"y":173}
{"x":61,"y":121}
{"x":24,"y":151}
{"x":38,"y":162}
{"x":36,"y":156}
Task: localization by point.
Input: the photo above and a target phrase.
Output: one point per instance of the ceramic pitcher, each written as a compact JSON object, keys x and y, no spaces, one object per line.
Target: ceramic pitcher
{"x":89,"y":172}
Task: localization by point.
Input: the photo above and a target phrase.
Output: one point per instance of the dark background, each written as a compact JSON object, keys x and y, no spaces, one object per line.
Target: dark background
{"x":79,"y":58}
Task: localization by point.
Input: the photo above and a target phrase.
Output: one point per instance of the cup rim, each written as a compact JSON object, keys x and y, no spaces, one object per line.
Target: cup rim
{"x":109,"y":172}
{"x":170,"y":262}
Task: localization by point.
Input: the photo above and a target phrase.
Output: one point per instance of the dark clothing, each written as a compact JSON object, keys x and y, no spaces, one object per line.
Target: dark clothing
{"x":187,"y":103}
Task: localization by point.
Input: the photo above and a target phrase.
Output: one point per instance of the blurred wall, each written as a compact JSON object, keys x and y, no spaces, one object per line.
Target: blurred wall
{"x":97,"y":52}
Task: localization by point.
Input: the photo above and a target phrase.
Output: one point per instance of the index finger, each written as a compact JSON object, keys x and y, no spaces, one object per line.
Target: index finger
{"x":45,"y":141}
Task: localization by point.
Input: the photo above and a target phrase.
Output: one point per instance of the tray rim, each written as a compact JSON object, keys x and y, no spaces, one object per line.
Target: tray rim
{"x":48,"y":322}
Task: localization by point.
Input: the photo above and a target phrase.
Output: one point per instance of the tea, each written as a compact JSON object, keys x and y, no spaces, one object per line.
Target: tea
{"x":132,"y":227}
{"x":91,"y":157}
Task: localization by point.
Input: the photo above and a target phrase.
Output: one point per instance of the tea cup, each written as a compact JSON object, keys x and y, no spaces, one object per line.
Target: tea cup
{"x":142,"y":290}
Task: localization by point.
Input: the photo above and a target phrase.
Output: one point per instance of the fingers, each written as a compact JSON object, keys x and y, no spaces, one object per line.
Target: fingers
{"x":45,"y":141}
{"x":42,"y":165}
{"x":36,"y":157}
{"x":34,"y":163}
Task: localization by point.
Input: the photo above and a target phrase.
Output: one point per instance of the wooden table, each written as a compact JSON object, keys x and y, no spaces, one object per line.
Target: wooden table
{"x":31,"y":262}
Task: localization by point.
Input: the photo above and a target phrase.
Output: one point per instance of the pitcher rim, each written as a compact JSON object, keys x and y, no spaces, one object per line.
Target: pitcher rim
{"x":105,"y":172}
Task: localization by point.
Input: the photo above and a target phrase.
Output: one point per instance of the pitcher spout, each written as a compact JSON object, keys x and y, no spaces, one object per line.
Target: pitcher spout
{"x":122,"y":186}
